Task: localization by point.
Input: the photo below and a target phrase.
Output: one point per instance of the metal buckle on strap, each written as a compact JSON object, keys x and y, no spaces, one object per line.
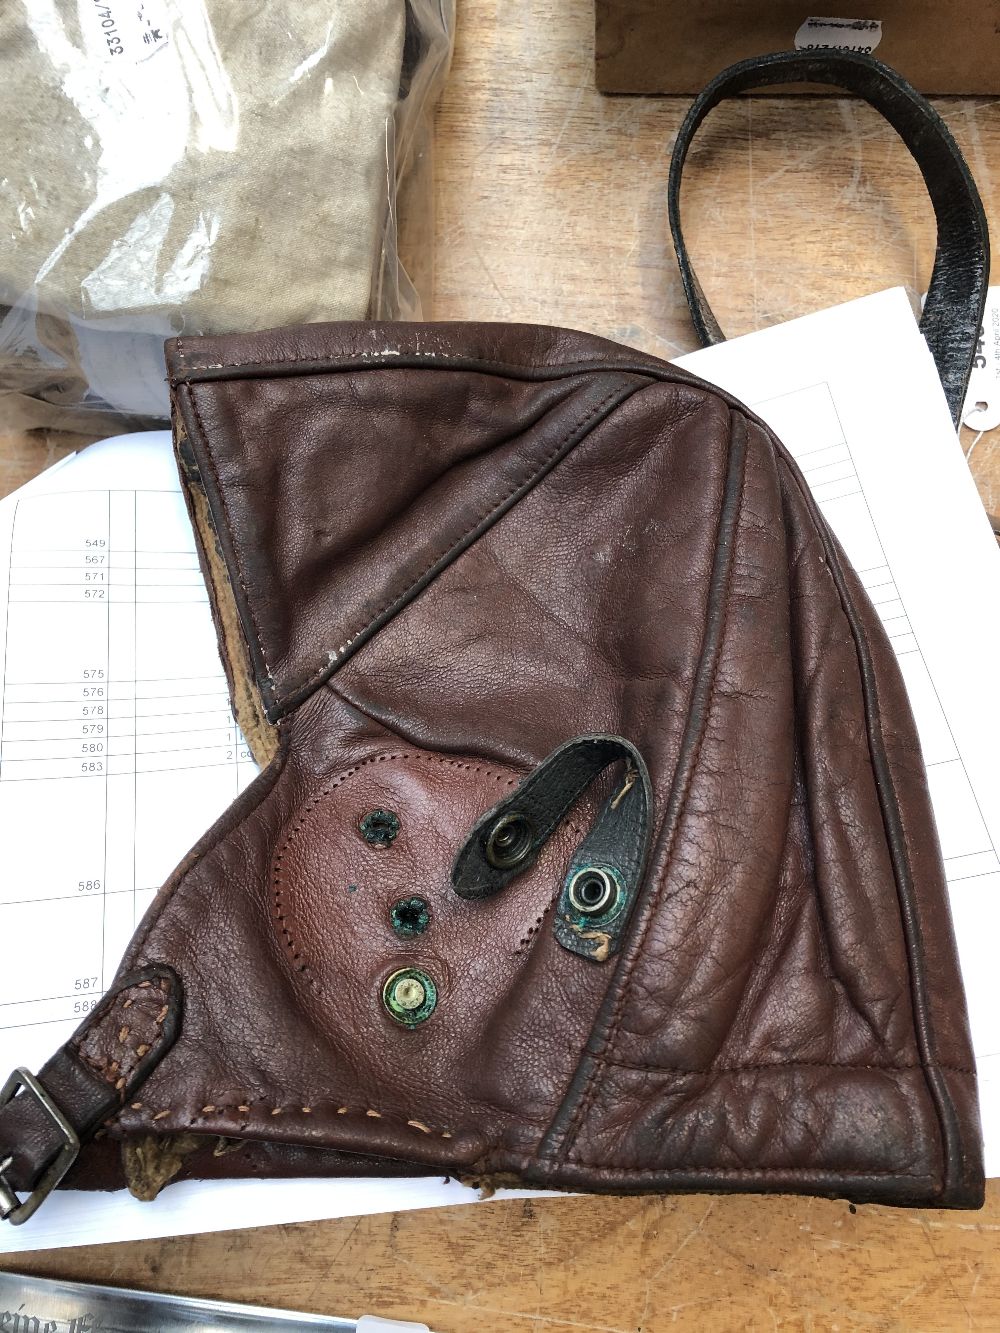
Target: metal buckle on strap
{"x":12,"y":1209}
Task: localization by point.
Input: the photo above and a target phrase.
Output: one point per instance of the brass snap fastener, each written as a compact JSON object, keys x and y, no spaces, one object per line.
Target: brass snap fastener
{"x":410,"y":916}
{"x":410,"y":996}
{"x":592,"y":891}
{"x":379,"y":828}
{"x":510,"y":841}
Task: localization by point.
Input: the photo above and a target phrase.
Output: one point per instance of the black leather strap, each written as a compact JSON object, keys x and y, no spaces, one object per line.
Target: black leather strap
{"x":956,"y":296}
{"x":531,"y":813}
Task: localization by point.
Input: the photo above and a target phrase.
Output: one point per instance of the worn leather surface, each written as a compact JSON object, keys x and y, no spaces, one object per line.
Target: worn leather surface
{"x":451,"y":550}
{"x":93,"y":1075}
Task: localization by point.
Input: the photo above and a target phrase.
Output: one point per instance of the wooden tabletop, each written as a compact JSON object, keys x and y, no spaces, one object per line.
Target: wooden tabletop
{"x":551,"y":209}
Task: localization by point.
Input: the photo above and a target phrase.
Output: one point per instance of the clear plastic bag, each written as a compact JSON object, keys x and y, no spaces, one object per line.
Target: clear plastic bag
{"x":199,"y":166}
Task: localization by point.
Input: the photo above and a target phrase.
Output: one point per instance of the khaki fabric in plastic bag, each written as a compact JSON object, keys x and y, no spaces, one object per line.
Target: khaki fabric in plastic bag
{"x":185,"y":167}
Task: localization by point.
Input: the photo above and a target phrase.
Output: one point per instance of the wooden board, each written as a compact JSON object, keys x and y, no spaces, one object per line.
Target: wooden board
{"x":672,"y":46}
{"x":550,"y":208}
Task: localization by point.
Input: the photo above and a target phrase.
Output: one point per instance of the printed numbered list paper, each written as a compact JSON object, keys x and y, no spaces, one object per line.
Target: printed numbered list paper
{"x":118,"y":740}
{"x":853,"y":394}
{"x":118,"y":750}
{"x":89,"y":833}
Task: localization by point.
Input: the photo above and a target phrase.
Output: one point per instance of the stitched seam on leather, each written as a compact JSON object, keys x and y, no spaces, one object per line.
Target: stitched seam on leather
{"x":336,"y":361}
{"x":494,"y":512}
{"x":246,"y":1107}
{"x":590,"y":1091}
{"x":654,"y":371}
{"x":777,"y":1064}
{"x":229,"y":524}
{"x":274,"y":771}
{"x":341,"y":778}
{"x":836,"y":1176}
{"x":104,"y":1071}
{"x":902,"y":872}
{"x":527,"y":481}
{"x":532,"y":931}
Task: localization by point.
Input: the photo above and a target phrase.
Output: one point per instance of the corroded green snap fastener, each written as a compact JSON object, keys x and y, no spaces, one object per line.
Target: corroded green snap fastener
{"x":410,"y":916}
{"x":510,"y":841}
{"x":592,"y":891}
{"x":379,"y":828}
{"x":410,"y":996}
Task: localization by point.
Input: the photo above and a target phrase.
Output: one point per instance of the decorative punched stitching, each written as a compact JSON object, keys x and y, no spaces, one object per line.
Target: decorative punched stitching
{"x":407,"y":756}
{"x":129,"y":1046}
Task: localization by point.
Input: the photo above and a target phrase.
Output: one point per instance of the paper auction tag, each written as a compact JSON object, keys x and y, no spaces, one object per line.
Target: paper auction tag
{"x":129,"y":31}
{"x":982,"y":402}
{"x":841,"y":34}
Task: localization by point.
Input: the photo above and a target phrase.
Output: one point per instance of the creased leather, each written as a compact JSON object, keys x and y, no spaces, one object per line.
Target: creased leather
{"x":454,"y":548}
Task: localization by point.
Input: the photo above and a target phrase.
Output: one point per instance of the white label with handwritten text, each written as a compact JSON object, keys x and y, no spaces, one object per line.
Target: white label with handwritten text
{"x":123,"y":30}
{"x":840,"y":34}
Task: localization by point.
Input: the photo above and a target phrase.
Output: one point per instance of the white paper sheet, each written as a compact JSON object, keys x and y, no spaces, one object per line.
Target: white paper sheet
{"x":852,"y":392}
{"x":117,"y":750}
{"x":854,"y":395}
{"x":114,"y":711}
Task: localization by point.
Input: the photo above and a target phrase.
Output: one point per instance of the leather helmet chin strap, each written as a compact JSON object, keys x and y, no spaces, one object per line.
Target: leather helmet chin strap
{"x":45,"y":1120}
{"x":956,"y":297}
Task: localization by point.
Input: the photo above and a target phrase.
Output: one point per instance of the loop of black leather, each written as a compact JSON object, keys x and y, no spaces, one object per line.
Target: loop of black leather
{"x":956,"y":296}
{"x":545,"y":797}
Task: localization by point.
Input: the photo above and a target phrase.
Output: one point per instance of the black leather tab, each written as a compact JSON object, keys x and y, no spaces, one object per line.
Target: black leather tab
{"x":613,"y":853}
{"x":486,"y":864}
{"x":956,"y":296}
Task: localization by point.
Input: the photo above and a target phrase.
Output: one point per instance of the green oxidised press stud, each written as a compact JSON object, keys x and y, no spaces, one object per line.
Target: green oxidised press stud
{"x":409,"y":996}
{"x":410,"y":916}
{"x":379,"y":828}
